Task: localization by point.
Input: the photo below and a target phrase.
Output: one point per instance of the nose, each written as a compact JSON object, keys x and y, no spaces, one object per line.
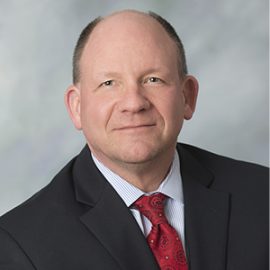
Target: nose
{"x":134,"y":100}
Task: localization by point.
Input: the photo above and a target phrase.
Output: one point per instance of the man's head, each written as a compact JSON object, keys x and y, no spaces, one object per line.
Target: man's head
{"x":131,"y":93}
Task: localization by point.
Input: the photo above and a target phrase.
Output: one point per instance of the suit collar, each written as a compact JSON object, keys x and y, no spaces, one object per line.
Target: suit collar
{"x":192,"y":169}
{"x":206,"y":215}
{"x":88,"y":181}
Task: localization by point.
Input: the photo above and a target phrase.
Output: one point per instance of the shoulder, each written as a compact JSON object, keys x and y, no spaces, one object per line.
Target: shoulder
{"x":48,"y":217}
{"x":228,"y":172}
{"x":218,"y":162}
{"x":56,"y":197}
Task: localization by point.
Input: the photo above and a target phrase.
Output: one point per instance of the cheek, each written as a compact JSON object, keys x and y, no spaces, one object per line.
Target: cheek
{"x":95,"y":112}
{"x":171,"y":108}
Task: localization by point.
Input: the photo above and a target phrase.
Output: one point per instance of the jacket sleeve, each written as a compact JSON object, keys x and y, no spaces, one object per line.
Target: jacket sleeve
{"x":12,"y":256}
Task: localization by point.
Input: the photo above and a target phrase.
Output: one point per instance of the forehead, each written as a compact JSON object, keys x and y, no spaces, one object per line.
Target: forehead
{"x":129,"y":36}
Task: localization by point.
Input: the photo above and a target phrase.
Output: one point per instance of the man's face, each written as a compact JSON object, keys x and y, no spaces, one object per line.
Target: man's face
{"x":130,"y":101}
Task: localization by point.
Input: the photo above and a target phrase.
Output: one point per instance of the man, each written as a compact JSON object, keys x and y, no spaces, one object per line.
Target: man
{"x":133,"y":198}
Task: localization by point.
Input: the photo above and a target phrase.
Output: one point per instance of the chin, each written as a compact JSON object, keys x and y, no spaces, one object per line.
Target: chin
{"x":139,"y":153}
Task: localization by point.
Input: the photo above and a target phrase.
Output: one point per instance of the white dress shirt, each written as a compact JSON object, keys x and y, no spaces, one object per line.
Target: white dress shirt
{"x":170,"y":186}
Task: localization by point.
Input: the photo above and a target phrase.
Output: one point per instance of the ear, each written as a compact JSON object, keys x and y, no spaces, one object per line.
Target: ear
{"x":73,"y":105}
{"x":190,"y":91}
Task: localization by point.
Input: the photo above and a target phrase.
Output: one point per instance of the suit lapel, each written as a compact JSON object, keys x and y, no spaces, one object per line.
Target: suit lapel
{"x":206,"y":216}
{"x":109,"y":219}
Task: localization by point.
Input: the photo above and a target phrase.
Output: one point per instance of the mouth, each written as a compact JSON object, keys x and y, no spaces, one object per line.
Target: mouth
{"x":135,"y":127}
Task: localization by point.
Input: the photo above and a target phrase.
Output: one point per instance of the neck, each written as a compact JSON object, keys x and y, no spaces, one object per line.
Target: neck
{"x":146,"y":176}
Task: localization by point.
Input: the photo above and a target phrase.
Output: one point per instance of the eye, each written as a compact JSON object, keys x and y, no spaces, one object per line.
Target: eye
{"x":108,"y":83}
{"x":153,"y":80}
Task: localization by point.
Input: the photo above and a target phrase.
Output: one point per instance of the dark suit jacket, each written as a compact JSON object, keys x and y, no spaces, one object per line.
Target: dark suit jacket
{"x":78,"y":221}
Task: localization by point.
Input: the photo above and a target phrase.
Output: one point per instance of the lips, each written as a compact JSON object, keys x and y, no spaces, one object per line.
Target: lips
{"x":135,"y":127}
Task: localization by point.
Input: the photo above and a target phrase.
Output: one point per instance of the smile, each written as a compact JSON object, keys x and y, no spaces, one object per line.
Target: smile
{"x":135,"y":127}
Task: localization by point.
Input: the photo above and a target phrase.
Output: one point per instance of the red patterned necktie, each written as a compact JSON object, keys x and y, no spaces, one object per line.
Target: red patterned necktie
{"x":163,"y":238}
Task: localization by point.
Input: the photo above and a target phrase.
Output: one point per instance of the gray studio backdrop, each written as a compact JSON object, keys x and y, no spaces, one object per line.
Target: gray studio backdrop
{"x":227,"y":50}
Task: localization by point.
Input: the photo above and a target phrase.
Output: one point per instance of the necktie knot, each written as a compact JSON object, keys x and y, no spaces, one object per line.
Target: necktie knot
{"x":152,"y":207}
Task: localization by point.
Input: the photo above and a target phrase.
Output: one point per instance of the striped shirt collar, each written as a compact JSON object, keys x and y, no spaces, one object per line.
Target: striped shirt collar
{"x":170,"y":186}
